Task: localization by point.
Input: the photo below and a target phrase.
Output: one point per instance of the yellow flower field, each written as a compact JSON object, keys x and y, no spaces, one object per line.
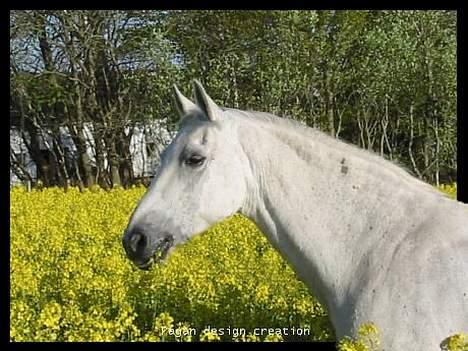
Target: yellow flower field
{"x":71,"y":281}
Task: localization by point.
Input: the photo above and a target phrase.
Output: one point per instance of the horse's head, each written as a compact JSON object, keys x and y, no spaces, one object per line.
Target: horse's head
{"x":200,"y":181}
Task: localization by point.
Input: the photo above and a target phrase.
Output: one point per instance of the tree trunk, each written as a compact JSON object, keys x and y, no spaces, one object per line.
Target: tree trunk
{"x":330,"y":107}
{"x":410,"y":144}
{"x":113,"y":158}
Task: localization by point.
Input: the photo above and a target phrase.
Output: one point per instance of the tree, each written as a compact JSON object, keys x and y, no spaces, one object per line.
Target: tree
{"x":385,"y":80}
{"x":82,"y":78}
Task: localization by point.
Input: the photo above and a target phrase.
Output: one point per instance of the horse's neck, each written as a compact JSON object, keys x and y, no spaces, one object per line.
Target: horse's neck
{"x":324,"y":210}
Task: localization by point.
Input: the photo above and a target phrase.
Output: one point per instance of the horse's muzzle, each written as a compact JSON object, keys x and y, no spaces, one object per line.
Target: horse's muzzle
{"x":144,"y":249}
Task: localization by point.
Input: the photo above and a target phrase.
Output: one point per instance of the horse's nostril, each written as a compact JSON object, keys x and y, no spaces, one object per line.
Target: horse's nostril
{"x":137,"y":242}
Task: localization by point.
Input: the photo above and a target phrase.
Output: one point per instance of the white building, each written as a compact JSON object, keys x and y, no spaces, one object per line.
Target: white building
{"x":146,"y":144}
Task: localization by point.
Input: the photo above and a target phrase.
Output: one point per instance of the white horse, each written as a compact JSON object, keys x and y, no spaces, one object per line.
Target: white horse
{"x":372,"y":243}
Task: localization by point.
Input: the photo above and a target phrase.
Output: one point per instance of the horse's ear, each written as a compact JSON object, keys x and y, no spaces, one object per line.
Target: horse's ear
{"x":182,"y":104}
{"x":205,"y":103}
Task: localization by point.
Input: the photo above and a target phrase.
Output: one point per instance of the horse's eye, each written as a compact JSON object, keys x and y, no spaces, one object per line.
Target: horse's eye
{"x":195,"y":160}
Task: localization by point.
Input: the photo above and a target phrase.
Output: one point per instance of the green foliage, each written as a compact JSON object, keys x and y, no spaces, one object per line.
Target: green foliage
{"x":385,"y":80}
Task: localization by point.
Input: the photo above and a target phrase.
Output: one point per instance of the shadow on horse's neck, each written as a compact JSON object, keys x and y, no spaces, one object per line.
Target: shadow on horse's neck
{"x":325,"y":207}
